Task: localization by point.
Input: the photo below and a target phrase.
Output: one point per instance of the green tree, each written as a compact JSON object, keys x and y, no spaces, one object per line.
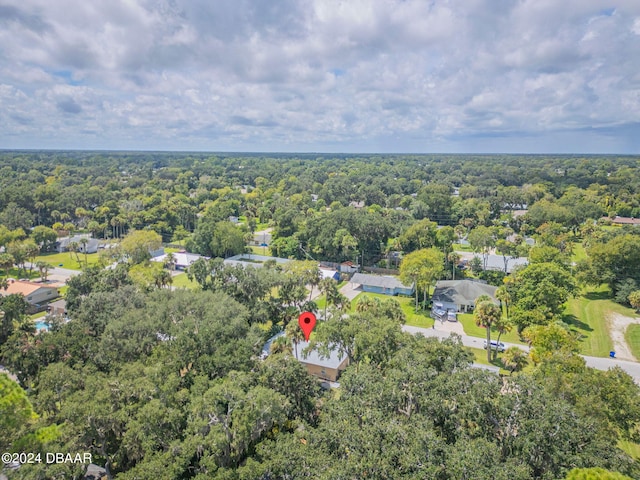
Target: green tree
{"x":634,"y":299}
{"x":486,"y":314}
{"x":514,"y":359}
{"x":44,"y":237}
{"x":422,"y":268}
{"x":482,"y":239}
{"x":596,"y":473}
{"x":16,"y":412}
{"x":43,"y":268}
{"x":539,"y":291}
{"x":138,"y":244}
{"x":6,"y":262}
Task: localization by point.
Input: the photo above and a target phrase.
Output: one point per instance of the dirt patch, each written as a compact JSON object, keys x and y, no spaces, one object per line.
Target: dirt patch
{"x":618,"y":325}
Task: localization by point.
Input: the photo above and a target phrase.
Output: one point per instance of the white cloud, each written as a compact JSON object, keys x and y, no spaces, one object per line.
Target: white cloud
{"x":317,"y":74}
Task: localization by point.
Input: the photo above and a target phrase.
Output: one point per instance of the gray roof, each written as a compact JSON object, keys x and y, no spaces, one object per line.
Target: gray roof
{"x":377,"y":281}
{"x":314,"y":358}
{"x":462,"y":292}
{"x":64,"y":242}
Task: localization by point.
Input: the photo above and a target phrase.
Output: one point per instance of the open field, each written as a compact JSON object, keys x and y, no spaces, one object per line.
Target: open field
{"x":68,"y":260}
{"x":587,"y":313}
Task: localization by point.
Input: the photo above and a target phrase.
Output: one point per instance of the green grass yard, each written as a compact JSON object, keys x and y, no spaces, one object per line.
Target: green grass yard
{"x":587,"y":314}
{"x":68,"y":260}
{"x":579,"y":253}
{"x":420,"y":319}
{"x":470,"y":328}
{"x":459,"y":247}
{"x":182,"y":281}
{"x":632,"y":336}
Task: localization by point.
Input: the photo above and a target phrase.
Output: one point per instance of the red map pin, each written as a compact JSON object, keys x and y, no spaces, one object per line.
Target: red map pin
{"x":307,"y":321}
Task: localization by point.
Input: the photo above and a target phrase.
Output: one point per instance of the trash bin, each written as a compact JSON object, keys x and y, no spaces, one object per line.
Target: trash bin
{"x":612,"y":354}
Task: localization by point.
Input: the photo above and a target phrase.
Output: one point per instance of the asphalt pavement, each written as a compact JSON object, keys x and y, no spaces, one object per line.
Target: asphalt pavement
{"x":599,"y":363}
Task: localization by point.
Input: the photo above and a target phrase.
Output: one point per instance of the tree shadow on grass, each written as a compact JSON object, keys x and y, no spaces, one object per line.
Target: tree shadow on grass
{"x":574,"y":322}
{"x":597,"y":295}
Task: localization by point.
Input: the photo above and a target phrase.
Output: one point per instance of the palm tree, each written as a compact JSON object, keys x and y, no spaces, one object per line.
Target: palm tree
{"x":504,"y":296}
{"x":293,"y":333}
{"x":170,"y":262}
{"x":281,"y":345}
{"x":365,"y":303}
{"x":329,"y":288}
{"x":514,"y":359}
{"x":485,"y":314}
{"x":6,"y":262}
{"x":454,"y":258}
{"x":502,"y":325}
{"x":43,"y":267}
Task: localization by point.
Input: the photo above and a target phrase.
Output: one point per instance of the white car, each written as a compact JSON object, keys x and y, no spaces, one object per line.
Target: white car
{"x":495,"y":344}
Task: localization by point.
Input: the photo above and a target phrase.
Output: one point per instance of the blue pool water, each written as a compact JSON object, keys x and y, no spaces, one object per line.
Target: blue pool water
{"x":42,"y":325}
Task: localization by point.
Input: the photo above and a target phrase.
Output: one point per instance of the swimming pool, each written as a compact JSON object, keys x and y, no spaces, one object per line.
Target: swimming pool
{"x":42,"y":325}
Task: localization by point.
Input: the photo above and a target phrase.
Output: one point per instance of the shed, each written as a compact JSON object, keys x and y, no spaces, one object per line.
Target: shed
{"x":386,"y":285}
{"x":460,"y":295}
{"x":330,"y":273}
{"x":59,"y":307}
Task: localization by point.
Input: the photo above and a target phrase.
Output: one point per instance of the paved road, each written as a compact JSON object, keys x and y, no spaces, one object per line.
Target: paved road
{"x":58,"y":274}
{"x":632,"y":368}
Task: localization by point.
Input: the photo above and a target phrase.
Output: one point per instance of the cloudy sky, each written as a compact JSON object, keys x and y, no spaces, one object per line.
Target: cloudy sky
{"x":537,"y":76}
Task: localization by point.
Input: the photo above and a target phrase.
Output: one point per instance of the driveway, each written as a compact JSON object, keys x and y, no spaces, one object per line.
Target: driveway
{"x":350,"y":290}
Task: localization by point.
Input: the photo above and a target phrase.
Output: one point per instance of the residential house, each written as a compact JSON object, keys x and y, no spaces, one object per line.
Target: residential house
{"x":91,"y":245}
{"x":460,"y":295}
{"x":182,"y":259}
{"x":34,"y":293}
{"x":326,"y":368}
{"x":626,"y":221}
{"x":386,"y":285}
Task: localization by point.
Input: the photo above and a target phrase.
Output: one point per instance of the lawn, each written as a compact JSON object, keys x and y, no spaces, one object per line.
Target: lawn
{"x":182,"y":281}
{"x":587,"y":315}
{"x":480,"y":356}
{"x":470,"y":328}
{"x":260,"y":250}
{"x":579,"y":253}
{"x":419,"y":319}
{"x":459,"y":247}
{"x":633,"y":449}
{"x":68,"y":260}
{"x":632,"y":336}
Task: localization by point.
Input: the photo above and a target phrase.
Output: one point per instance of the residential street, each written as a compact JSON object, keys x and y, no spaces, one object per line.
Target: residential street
{"x":443,"y":331}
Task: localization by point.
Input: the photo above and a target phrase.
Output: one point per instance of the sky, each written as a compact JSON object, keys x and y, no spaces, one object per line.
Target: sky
{"x":351,"y":76}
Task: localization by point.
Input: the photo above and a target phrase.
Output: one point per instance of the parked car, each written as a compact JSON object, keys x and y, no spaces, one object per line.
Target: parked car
{"x":500,"y":345}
